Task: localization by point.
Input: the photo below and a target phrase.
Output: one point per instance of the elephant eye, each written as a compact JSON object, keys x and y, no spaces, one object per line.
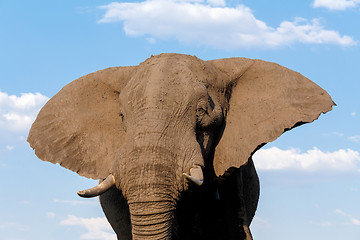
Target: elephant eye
{"x":201,"y":108}
{"x":202,"y":111}
{"x":122,"y":116}
{"x":123,"y":123}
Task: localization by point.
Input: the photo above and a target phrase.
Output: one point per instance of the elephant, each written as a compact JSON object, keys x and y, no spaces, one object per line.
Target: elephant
{"x":171,"y":140}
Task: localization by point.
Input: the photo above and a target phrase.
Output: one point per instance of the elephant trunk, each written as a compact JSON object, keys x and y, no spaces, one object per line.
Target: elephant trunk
{"x":151,"y":220}
{"x":151,"y":208}
{"x":151,"y":192}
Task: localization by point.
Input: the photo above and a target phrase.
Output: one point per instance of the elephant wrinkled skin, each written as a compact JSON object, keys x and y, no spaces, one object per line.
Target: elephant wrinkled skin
{"x":174,"y":137}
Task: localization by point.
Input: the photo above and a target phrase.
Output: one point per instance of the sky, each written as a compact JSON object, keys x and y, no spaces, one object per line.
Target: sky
{"x":310,"y":186}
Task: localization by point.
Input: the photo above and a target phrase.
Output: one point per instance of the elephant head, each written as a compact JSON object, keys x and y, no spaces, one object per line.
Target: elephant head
{"x":154,"y":129}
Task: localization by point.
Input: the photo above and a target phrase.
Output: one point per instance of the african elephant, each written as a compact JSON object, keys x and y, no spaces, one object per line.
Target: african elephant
{"x":173,"y":138}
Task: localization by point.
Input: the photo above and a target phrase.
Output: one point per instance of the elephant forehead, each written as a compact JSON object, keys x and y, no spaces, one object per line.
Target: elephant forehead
{"x":179,"y":68}
{"x":171,"y":78}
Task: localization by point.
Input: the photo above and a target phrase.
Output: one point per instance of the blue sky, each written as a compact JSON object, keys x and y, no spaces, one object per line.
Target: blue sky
{"x":310,"y":186}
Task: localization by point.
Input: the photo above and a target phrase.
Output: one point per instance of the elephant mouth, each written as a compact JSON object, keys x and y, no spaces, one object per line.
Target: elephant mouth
{"x":194,"y":176}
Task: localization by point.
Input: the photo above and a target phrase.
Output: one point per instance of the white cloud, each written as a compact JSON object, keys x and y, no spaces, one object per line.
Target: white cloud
{"x":355,"y":138}
{"x":76,"y":202}
{"x":353,"y":189}
{"x":18,"y":121}
{"x":220,"y":3}
{"x":338,"y":134}
{"x":50,"y":214}
{"x":336,"y":4}
{"x":355,"y":221}
{"x":14,"y":226}
{"x":259,"y":222}
{"x":18,"y":112}
{"x":10,"y":148}
{"x":322,"y":224}
{"x":353,"y":114}
{"x":97,"y":228}
{"x":351,"y":219}
{"x":213,"y":24}
{"x":16,"y":116}
{"x":312,"y":160}
{"x":151,"y":40}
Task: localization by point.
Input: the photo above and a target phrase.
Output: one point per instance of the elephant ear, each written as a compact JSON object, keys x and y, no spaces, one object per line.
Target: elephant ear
{"x":80,"y":127}
{"x":266,"y":100}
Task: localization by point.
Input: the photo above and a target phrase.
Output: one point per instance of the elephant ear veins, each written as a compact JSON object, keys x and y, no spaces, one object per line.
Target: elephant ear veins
{"x":80,"y":127}
{"x":266,"y":100}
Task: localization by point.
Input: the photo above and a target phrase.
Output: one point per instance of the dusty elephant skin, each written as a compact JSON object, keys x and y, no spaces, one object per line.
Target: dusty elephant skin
{"x":173,"y":137}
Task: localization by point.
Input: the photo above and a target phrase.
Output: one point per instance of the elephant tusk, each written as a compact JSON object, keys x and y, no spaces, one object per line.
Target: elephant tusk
{"x":247,"y":232}
{"x":196,"y":175}
{"x":102,"y":187}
